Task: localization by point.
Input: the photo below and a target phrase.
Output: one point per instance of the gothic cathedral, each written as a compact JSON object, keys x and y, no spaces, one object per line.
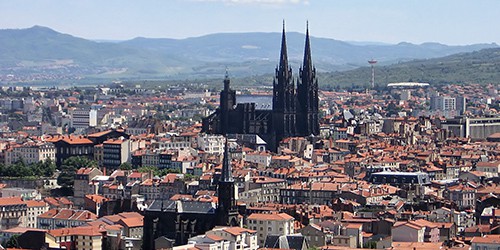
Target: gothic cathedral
{"x":294,"y":112}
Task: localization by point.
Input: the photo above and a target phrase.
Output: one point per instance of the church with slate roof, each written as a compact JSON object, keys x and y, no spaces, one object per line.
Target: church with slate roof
{"x":179,"y":220}
{"x":293,"y":111}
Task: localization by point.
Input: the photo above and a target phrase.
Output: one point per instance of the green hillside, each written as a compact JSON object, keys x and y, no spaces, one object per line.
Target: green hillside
{"x":474,"y":67}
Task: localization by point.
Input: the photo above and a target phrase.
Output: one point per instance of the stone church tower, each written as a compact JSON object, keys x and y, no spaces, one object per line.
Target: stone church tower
{"x":227,"y":210}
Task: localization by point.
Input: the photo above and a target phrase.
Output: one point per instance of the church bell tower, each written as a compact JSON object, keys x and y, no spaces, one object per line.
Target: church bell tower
{"x":227,"y":210}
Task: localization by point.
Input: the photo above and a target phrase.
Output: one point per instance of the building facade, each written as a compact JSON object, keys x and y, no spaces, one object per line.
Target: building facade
{"x":270,"y":224}
{"x":31,"y":153}
{"x":12,"y":212}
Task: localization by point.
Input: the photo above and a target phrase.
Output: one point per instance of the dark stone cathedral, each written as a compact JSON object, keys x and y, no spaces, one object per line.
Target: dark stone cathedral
{"x":294,"y":111}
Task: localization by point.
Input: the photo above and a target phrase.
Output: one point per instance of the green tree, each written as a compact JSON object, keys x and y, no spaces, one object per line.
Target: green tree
{"x":370,"y":244}
{"x":12,"y":242}
{"x":44,"y":168}
{"x":69,"y":167}
{"x":147,"y":169}
{"x":157,"y":171}
{"x":126,"y":166}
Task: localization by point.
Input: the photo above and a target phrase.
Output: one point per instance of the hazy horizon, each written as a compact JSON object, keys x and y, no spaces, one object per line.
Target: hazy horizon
{"x":452,"y":22}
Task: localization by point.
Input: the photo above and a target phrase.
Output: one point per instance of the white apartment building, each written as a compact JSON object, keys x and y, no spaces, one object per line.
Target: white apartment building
{"x":270,"y":224}
{"x":262,"y":159}
{"x":82,"y":118}
{"x":212,"y":144}
{"x":30,"y":153}
{"x":35,"y":208}
{"x":239,"y":238}
{"x":12,"y":212}
{"x":172,"y":145}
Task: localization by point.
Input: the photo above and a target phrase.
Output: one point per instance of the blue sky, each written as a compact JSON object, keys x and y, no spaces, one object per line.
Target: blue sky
{"x":390,"y":21}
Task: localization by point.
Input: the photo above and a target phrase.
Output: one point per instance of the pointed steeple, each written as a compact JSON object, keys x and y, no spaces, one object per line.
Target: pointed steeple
{"x":227,"y":173}
{"x":226,"y":81}
{"x":283,"y":67}
{"x":227,"y":210}
{"x":307,"y":67}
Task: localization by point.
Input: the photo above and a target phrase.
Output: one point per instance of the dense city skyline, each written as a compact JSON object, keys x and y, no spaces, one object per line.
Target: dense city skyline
{"x":448,"y":22}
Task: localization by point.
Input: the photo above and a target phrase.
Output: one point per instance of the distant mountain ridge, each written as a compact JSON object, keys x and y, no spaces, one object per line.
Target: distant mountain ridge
{"x":43,"y":50}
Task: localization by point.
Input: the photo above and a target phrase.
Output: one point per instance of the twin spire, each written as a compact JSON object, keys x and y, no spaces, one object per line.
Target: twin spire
{"x":307,"y":64}
{"x":282,"y":70}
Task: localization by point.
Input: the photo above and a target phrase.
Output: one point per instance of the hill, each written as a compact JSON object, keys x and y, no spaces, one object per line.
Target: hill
{"x":257,"y":53}
{"x":40,"y":53}
{"x":473,"y":67}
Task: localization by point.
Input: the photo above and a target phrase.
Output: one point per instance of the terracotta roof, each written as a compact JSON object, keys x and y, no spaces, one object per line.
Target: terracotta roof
{"x":21,"y":230}
{"x":7,"y":201}
{"x":264,"y":179}
{"x":69,"y":139}
{"x":237,"y":230}
{"x":96,"y":198}
{"x":277,"y":217}
{"x":214,"y":237}
{"x":35,"y":203}
{"x":416,"y":245}
{"x":69,"y":214}
{"x":85,"y":230}
{"x":99,"y":134}
{"x":135,"y":175}
{"x":84,"y":171}
{"x":488,"y":239}
{"x":133,"y":222}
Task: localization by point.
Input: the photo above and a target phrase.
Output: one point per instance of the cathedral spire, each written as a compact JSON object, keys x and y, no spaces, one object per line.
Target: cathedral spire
{"x":227,"y":173}
{"x":283,"y":67}
{"x":307,"y":66}
{"x":226,"y":81}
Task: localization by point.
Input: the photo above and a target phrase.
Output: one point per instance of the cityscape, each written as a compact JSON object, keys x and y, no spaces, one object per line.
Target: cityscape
{"x":296,"y":152}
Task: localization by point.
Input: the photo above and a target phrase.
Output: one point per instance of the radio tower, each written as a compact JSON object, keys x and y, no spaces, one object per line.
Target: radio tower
{"x":372,"y":62}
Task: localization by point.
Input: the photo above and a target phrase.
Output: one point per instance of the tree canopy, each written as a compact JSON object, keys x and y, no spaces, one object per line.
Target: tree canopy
{"x":45,"y":168}
{"x":69,"y":167}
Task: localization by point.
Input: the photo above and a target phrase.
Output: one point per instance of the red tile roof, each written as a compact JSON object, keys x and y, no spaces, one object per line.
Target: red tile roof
{"x":488,"y":239}
{"x":69,"y":214}
{"x":266,"y":217}
{"x":7,"y":201}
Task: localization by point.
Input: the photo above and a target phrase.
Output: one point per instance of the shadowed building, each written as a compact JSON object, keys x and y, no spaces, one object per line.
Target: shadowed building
{"x":179,"y":220}
{"x":293,"y":111}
